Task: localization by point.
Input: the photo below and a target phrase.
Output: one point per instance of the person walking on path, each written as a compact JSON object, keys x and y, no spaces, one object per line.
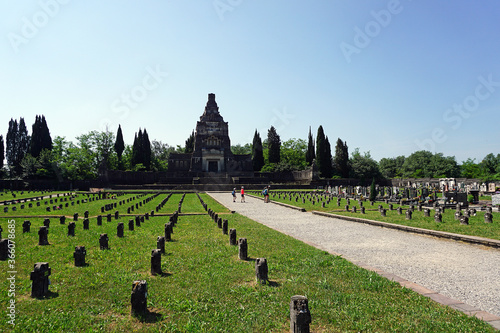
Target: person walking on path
{"x":234,"y":194}
{"x":265,"y":192}
{"x":242,"y":194}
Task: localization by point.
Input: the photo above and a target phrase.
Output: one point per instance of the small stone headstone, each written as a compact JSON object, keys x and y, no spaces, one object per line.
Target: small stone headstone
{"x":40,"y":280}
{"x":119,"y":229}
{"x":86,"y":224}
{"x":232,"y":237}
{"x":438,"y":218}
{"x":464,"y":220}
{"x":79,"y":256}
{"x":131,"y":225}
{"x":243,"y":249}
{"x":409,"y":212}
{"x":75,"y":217}
{"x":71,"y":229}
{"x":42,"y":236}
{"x":62,"y":219}
{"x":160,"y":244}
{"x":4,"y":249}
{"x":26,"y":226}
{"x":300,"y":317}
{"x":103,"y":242}
{"x":261,"y":270}
{"x":156,"y":262}
{"x":139,"y":298}
{"x":225,"y":225}
{"x":488,"y":218}
{"x":168,"y":231}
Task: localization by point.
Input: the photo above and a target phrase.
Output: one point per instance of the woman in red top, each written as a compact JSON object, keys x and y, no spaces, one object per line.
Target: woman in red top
{"x":242,"y":194}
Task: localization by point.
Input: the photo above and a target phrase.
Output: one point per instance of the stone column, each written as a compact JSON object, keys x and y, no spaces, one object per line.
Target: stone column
{"x":300,"y":317}
{"x":261,"y":270}
{"x":225,"y":225}
{"x":156,"y":262}
{"x":160,"y":244}
{"x":232,"y":237}
{"x":168,"y":231}
{"x":243,"y":249}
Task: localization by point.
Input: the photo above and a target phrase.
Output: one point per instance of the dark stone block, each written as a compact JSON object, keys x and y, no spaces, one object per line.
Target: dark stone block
{"x":40,"y":280}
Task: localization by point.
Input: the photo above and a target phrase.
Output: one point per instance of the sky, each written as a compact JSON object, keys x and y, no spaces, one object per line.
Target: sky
{"x":388,"y":77}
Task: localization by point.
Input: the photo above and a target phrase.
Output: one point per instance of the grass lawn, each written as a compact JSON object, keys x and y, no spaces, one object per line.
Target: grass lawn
{"x":206,"y":288}
{"x":476,"y":226}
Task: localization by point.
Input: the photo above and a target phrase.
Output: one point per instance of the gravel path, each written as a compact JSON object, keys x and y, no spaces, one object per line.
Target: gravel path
{"x":468,"y":273}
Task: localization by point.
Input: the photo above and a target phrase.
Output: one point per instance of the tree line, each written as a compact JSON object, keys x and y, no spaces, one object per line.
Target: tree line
{"x":37,"y":156}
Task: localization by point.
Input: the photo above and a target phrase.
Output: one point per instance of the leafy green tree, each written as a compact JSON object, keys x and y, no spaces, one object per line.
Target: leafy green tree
{"x":363,"y":166}
{"x":373,"y":191}
{"x":119,"y":146}
{"x":189,"y":146}
{"x":341,"y":160}
{"x":310,"y":154}
{"x":274,"y":145}
{"x":391,"y":167}
{"x":257,"y":152}
{"x":490,"y":167}
{"x":242,"y":150}
{"x":160,"y":152}
{"x":293,"y":155}
{"x":470,"y":169}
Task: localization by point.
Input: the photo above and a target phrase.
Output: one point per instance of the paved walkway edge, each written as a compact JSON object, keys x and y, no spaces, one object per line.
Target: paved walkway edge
{"x":441,"y":234}
{"x":467,"y":309}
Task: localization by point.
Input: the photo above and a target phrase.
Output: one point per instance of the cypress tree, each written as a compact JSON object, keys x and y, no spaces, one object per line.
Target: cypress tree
{"x":310,"y":154}
{"x":342,"y":159}
{"x":12,"y":142}
{"x":119,"y":145}
{"x":373,"y":191}
{"x":146,"y":150}
{"x":328,"y":168}
{"x":17,"y":144}
{"x":274,"y":145}
{"x":322,"y":159}
{"x":189,"y":144}
{"x":2,"y":152}
{"x":257,"y":152}
{"x":40,"y":137}
{"x":136,"y":149}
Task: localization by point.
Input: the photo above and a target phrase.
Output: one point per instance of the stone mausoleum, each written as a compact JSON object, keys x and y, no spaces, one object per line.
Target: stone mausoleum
{"x":212,"y":148}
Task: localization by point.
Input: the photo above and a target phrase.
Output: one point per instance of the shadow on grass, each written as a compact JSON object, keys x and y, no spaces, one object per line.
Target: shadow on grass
{"x":149,"y":317}
{"x":48,"y":295}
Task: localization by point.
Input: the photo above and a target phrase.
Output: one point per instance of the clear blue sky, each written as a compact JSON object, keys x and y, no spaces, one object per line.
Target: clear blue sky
{"x":388,"y":77}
